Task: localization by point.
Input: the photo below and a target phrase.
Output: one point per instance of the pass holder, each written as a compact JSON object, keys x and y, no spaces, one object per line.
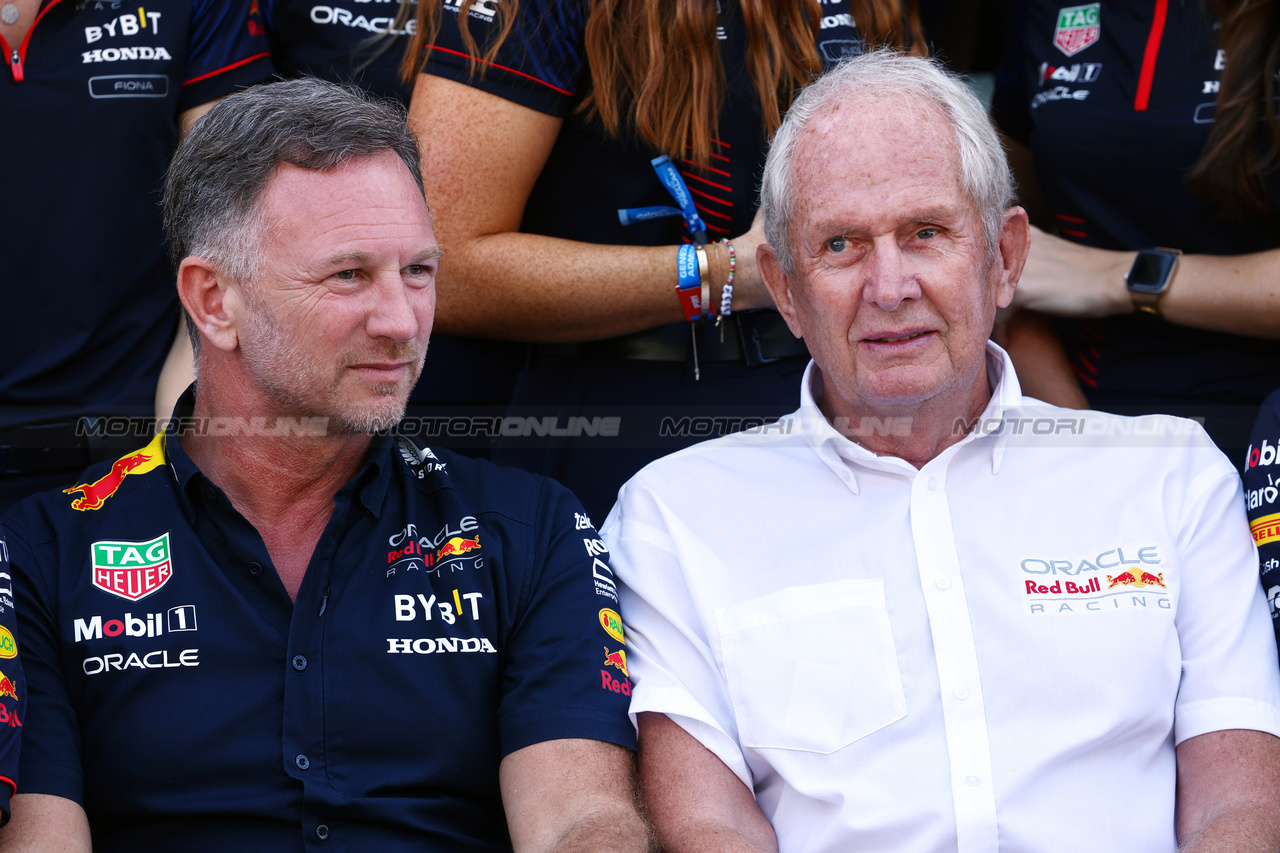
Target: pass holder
{"x":693,"y":287}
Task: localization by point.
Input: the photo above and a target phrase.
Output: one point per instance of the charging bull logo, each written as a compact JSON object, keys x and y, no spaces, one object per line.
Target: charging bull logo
{"x":6,"y":687}
{"x":617,"y":659}
{"x":457,"y":545}
{"x":1136,"y":579}
{"x":94,"y":495}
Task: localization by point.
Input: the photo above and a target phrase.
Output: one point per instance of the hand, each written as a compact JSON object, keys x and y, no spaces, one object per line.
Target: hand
{"x":748,"y":285}
{"x":1071,"y":280}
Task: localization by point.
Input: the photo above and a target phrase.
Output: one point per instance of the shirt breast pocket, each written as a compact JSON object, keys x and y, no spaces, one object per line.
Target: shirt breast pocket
{"x":811,"y":668}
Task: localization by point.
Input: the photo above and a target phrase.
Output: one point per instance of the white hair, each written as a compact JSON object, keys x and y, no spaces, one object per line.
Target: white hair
{"x":889,"y":75}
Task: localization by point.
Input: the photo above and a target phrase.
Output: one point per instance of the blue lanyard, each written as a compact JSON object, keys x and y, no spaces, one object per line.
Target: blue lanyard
{"x":670,"y":177}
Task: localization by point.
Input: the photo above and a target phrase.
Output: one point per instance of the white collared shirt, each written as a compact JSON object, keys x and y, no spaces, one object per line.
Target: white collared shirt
{"x":998,"y":651}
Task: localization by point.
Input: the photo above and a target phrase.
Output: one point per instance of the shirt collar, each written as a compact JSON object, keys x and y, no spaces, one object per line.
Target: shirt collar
{"x":371,"y":480}
{"x":842,"y":453}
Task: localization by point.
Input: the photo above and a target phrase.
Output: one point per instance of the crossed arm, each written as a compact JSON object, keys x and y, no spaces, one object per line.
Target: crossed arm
{"x":561,"y":796}
{"x":1228,"y":796}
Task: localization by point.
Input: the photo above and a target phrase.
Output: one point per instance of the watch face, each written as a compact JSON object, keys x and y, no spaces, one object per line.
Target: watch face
{"x":1150,"y":271}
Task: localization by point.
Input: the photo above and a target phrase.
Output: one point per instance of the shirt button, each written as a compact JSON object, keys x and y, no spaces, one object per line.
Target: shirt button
{"x":942,"y":583}
{"x":211,"y":493}
{"x":299,"y":663}
{"x":972,"y":781}
{"x":962,"y":693}
{"x":255,"y":569}
{"x":302,"y":761}
{"x":933,"y":484}
{"x":322,"y":832}
{"x":844,"y":475}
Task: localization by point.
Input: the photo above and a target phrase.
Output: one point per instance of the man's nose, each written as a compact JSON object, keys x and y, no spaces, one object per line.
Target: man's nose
{"x":392,"y":312}
{"x":890,"y":278}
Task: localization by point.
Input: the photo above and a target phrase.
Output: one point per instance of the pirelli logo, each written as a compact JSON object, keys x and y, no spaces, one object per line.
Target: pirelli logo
{"x":1266,"y":529}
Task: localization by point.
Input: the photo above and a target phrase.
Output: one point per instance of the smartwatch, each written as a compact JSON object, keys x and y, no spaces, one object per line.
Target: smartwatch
{"x":1148,"y":278}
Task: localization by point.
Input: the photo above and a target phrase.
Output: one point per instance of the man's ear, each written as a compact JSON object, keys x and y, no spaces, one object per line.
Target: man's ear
{"x":1015,"y":244}
{"x":779,"y":286}
{"x":205,"y":292}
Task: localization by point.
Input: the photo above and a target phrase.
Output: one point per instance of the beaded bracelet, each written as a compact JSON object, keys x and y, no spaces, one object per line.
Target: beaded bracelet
{"x":726,"y":295}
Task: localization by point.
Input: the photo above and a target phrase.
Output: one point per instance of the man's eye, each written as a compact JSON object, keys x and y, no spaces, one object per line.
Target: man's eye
{"x":838,"y":244}
{"x":416,"y":269}
{"x":345,"y":275}
{"x":927,"y":233}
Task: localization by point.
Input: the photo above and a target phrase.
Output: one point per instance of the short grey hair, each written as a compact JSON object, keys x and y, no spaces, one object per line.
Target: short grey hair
{"x":886,"y":73}
{"x":216,"y":179}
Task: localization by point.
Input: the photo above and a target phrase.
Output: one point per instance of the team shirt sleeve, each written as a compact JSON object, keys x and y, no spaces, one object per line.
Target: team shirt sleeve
{"x":673,"y":663}
{"x":1010,"y":104}
{"x":1262,"y":497}
{"x":13,"y":686}
{"x":1230,"y":678}
{"x":226,"y":50}
{"x":539,"y":65}
{"x":565,"y":675}
{"x":51,"y":748}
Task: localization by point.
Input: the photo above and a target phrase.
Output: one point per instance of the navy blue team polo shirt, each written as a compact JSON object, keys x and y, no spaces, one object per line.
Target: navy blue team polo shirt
{"x":452,"y":613}
{"x":90,"y":105}
{"x":344,"y":41}
{"x":1116,"y":100}
{"x":1262,"y":497}
{"x":13,"y":686}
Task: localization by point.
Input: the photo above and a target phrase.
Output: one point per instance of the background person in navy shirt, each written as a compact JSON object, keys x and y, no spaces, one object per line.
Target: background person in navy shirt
{"x":1151,"y":124}
{"x":362,"y":42}
{"x":271,"y":629}
{"x":94,"y":95}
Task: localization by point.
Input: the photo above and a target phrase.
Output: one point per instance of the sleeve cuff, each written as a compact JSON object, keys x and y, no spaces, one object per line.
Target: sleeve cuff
{"x":58,"y":780}
{"x":560,"y":723}
{"x":695,"y":720}
{"x":1215,"y":715}
{"x":221,"y":82}
{"x":507,"y":83}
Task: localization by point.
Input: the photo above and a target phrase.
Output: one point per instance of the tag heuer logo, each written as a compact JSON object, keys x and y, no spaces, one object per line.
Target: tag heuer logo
{"x":131,"y":570}
{"x":1078,"y":27}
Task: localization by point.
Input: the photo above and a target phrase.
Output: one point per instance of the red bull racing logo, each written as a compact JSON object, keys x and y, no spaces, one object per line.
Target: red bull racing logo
{"x":7,"y":717}
{"x":617,"y":660}
{"x":1136,"y":579}
{"x":457,"y":546}
{"x":94,"y":495}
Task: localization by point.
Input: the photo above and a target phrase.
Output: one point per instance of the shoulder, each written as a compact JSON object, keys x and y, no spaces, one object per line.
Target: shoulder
{"x":777,"y":455}
{"x":485,"y":488}
{"x":1147,"y":448}
{"x":136,"y":483}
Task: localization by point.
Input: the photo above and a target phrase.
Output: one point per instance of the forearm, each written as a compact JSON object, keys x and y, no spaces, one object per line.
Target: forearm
{"x":45,"y":824}
{"x":1236,"y":294}
{"x":618,"y":831}
{"x":534,"y":288}
{"x":1229,"y":793}
{"x":1228,"y":293}
{"x":696,"y":803}
{"x":1245,"y":829}
{"x":1041,"y":362}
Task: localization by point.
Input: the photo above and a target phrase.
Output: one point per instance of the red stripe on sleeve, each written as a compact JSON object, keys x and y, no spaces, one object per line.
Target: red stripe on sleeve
{"x":225,"y":68}
{"x":503,"y":68}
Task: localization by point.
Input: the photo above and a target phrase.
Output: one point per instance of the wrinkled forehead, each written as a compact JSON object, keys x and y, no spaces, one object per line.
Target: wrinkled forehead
{"x":870,"y":135}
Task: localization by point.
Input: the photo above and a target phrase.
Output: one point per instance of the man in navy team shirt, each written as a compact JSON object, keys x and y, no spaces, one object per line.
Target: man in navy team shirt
{"x":277,"y":627}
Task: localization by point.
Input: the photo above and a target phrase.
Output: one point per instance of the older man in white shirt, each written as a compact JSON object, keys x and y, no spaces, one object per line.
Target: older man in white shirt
{"x":925,"y":613}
